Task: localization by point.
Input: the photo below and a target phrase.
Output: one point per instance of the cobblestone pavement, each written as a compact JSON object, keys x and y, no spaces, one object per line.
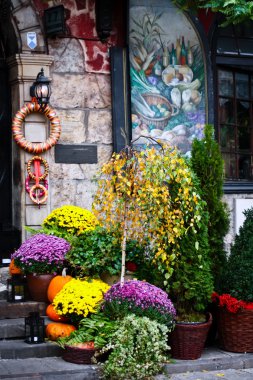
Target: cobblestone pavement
{"x":228,"y":374}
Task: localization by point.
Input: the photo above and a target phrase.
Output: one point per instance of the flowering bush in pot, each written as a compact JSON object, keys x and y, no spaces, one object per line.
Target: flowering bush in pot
{"x":41,"y":254}
{"x":140,"y":298}
{"x":68,"y":221}
{"x":235,"y":293}
{"x":80,"y":298}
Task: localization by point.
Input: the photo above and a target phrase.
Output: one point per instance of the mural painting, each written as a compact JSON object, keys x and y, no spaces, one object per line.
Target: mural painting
{"x":167,"y":76}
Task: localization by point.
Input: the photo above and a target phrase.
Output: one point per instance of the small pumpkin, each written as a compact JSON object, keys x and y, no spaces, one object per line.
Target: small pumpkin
{"x":53,"y":315}
{"x":57,"y":330}
{"x":57,"y":284}
{"x":13,"y":269}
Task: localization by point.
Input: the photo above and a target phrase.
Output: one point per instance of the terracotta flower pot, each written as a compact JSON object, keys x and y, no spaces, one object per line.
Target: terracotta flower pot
{"x":37,"y":286}
{"x":187,"y":340}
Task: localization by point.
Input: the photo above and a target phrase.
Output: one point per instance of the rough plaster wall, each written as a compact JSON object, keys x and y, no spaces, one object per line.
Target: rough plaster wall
{"x":230,"y":201}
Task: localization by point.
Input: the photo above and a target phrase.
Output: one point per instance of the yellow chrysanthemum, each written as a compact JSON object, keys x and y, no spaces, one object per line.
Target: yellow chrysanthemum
{"x":73,"y":219}
{"x":80,"y":297}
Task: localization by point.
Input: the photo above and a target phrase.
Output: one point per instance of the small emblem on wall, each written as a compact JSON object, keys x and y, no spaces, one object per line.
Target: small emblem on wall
{"x":31,"y":40}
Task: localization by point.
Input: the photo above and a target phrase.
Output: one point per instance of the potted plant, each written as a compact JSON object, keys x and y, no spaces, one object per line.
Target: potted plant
{"x":41,"y":257}
{"x":132,"y":324}
{"x":79,"y":298}
{"x":87,"y":341}
{"x":206,"y":161}
{"x":190,"y":287}
{"x":235,"y":298}
{"x":139,"y":298}
{"x":97,"y":253}
{"x":138,"y":349}
{"x":149,"y":196}
{"x":69,"y":221}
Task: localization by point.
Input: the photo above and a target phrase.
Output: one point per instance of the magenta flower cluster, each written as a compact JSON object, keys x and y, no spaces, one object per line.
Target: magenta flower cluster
{"x":141,"y":294}
{"x":41,"y":251}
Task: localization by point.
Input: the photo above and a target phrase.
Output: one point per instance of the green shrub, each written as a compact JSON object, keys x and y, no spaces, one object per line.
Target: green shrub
{"x":237,"y":278}
{"x":207,"y":163}
{"x":192,"y":281}
{"x":99,"y":251}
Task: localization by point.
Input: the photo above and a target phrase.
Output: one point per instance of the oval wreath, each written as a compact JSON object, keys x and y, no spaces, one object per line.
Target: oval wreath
{"x":17,"y":131}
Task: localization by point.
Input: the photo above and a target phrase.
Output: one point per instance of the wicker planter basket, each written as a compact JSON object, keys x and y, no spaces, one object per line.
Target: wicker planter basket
{"x":187,"y":341}
{"x":235,"y":330}
{"x":78,"y":355}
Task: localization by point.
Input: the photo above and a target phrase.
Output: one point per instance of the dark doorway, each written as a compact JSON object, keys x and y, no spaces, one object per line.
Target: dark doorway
{"x":9,"y":236}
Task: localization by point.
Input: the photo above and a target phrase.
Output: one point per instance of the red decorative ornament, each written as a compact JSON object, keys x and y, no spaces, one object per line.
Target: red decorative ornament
{"x":28,"y":189}
{"x":40,"y":177}
{"x":17,"y":130}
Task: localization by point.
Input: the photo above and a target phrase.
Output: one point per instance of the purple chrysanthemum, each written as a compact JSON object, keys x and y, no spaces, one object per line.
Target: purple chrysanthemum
{"x":141,"y":294}
{"x":41,"y":248}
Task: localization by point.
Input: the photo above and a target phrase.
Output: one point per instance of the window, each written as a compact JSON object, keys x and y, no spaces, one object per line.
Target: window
{"x":235,"y":122}
{"x":234,"y":59}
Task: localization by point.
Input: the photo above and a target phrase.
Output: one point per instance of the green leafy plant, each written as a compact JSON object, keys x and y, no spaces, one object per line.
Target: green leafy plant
{"x":234,"y":11}
{"x":237,"y":275}
{"x":139,"y":349}
{"x":207,"y":163}
{"x":99,"y":251}
{"x":191,"y":284}
{"x":97,"y":328}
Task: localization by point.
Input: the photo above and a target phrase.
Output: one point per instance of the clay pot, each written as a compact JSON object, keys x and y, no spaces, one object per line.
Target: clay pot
{"x":37,"y":286}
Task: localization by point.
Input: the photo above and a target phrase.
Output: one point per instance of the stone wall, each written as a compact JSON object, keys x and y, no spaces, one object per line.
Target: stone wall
{"x":83,"y":103}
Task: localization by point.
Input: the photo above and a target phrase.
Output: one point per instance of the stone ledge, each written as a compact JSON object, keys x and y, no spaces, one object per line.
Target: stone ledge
{"x":18,"y":349}
{"x":20,"y":309}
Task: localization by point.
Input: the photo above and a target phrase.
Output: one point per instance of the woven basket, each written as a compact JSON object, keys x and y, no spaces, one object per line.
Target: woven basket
{"x":159,"y":123}
{"x":78,"y":355}
{"x":235,"y":330}
{"x":187,"y":340}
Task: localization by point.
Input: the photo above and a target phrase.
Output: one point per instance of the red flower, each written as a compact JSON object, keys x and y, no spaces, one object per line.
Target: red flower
{"x":233,"y":305}
{"x":132,"y":267}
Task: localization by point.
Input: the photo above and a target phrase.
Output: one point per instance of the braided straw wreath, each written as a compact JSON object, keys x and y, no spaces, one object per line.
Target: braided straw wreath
{"x":17,"y":130}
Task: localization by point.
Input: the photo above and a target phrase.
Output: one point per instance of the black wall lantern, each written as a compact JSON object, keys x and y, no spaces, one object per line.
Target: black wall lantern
{"x":104,"y":13}
{"x":16,"y":288}
{"x":41,"y":89}
{"x":34,"y":328}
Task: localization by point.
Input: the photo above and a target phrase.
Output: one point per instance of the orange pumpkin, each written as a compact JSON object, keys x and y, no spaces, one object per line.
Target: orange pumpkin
{"x":52,"y":314}
{"x":57,"y":284}
{"x":13,"y":269}
{"x":57,"y":330}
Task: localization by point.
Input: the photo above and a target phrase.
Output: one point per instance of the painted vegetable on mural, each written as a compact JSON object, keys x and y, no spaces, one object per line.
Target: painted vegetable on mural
{"x":167,"y":76}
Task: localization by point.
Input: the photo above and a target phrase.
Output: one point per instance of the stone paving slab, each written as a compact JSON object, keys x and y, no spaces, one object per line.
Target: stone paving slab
{"x":213,"y":364}
{"x":18,"y":349}
{"x":212,"y":359}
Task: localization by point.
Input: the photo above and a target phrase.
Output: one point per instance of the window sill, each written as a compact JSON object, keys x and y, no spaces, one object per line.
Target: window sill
{"x":238,"y":187}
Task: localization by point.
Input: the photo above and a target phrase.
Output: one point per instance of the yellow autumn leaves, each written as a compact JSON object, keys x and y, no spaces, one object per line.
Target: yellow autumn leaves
{"x":157,"y":186}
